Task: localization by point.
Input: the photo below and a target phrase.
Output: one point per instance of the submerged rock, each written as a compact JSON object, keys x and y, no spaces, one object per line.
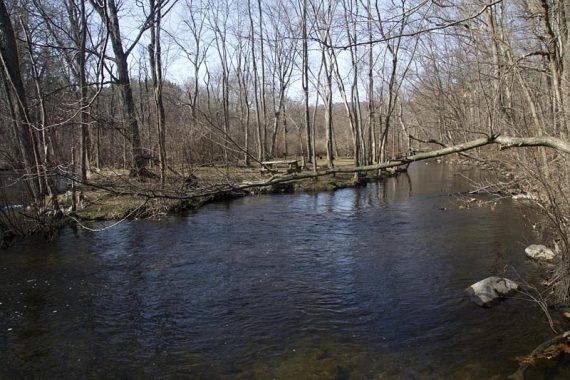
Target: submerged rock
{"x":540,"y":252}
{"x":491,"y":290}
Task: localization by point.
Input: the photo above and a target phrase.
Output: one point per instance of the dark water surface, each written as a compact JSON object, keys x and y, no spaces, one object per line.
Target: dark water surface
{"x":12,"y":191}
{"x":360,"y":283}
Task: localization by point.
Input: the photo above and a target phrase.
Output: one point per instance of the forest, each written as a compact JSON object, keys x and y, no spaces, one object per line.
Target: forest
{"x":175,"y":100}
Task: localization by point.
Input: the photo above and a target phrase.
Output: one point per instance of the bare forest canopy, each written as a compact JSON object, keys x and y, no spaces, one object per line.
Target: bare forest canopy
{"x":169,"y":85}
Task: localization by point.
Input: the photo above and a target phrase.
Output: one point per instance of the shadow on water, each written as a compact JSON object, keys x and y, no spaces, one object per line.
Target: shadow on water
{"x":359,"y":283}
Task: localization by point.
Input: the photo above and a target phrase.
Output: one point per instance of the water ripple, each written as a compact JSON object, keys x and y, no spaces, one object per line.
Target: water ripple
{"x":360,"y":281}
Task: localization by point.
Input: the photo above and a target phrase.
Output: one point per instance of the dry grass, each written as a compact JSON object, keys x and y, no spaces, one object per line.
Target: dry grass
{"x":112,"y":194}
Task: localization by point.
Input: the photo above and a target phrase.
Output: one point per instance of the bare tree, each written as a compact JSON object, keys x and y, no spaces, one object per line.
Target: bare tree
{"x":243,"y":75}
{"x":155,"y":58}
{"x":108,"y":11}
{"x":258,"y":104}
{"x":11,"y":68}
{"x":283,"y":51}
{"x":324,"y":12}
{"x":305,"y":82}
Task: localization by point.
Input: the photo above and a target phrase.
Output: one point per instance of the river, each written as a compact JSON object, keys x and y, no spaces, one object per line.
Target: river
{"x":357,"y":283}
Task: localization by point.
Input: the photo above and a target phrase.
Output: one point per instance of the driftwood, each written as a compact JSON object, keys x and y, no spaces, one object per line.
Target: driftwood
{"x":559,"y":339}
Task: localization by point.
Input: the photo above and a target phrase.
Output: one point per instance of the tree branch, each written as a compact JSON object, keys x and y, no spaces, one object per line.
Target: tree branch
{"x":503,"y":141}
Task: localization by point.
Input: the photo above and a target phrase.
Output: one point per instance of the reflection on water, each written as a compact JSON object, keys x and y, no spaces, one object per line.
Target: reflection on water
{"x":14,"y":193}
{"x":360,"y":283}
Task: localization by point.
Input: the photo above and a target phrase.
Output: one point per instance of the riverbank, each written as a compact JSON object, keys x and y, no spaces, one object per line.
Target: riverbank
{"x":115,"y":195}
{"x":112,"y":195}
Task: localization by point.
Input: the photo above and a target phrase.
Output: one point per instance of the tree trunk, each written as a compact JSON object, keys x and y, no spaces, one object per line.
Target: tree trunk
{"x":260,"y":145}
{"x":110,"y":18}
{"x":155,"y":58}
{"x":11,"y":67}
{"x":83,"y":103}
{"x":305,"y":81}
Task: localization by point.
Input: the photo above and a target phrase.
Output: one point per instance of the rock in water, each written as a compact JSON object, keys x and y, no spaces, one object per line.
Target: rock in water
{"x":491,"y":290}
{"x":540,"y":252}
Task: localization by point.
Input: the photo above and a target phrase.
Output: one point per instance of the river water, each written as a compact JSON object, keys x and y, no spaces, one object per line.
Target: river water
{"x":353,"y":284}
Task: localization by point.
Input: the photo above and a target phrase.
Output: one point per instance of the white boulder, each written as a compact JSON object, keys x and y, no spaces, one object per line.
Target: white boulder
{"x":540,"y":252}
{"x":491,"y":290}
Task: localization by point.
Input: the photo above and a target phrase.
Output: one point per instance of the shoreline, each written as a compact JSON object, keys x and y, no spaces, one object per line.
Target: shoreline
{"x":113,"y":196}
{"x":102,"y":205}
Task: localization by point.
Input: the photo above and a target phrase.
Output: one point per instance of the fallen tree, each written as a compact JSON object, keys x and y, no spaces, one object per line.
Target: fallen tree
{"x":505,"y":142}
{"x":229,"y":188}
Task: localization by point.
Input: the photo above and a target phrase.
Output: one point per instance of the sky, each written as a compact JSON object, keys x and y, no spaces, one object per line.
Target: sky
{"x":179,"y":70}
